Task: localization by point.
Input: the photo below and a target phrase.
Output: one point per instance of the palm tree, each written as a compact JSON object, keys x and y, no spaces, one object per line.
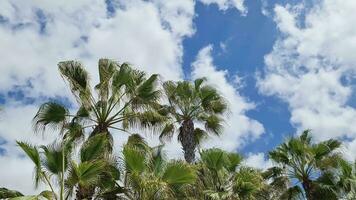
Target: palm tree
{"x":342,"y":180}
{"x":277,"y":186}
{"x":305,"y":163}
{"x":221,"y":177}
{"x":94,"y":171}
{"x":124,"y":97}
{"x":148,"y":175}
{"x":6,"y":193}
{"x":48,"y":163}
{"x":190,"y":104}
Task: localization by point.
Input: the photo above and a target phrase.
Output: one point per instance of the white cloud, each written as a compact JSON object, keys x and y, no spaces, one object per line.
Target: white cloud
{"x":311,"y":67}
{"x":239,"y":128}
{"x":140,"y":32}
{"x":15,"y":125}
{"x":226,"y":4}
{"x":147,"y":34}
{"x":258,"y":161}
{"x":18,"y":174}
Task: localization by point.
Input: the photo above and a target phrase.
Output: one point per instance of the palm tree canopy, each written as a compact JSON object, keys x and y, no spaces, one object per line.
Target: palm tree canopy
{"x":193,"y":101}
{"x":299,"y":160}
{"x":148,"y":175}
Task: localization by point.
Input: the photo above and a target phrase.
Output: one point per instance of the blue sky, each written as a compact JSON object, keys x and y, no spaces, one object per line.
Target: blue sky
{"x":246,"y":40}
{"x":283,"y":65}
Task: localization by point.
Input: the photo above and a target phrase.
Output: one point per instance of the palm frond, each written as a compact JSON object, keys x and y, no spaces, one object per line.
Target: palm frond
{"x":107,"y":69}
{"x":52,"y":115}
{"x":53,"y":161}
{"x":94,"y":148}
{"x":33,"y":153}
{"x":178,"y":173}
{"x":167,"y":132}
{"x":78,"y":79}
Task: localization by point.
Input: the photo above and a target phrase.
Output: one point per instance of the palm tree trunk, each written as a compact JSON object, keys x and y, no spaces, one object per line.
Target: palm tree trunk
{"x":84,"y":193}
{"x":188,"y":140}
{"x":308,"y":189}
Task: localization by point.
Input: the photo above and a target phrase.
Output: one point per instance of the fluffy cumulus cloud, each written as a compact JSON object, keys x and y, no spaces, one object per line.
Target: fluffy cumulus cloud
{"x":239,"y":128}
{"x":226,"y":4}
{"x":36,"y":35}
{"x":258,"y":160}
{"x":312,"y":67}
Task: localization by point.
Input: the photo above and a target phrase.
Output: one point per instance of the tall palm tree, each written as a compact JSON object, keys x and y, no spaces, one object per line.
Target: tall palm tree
{"x":221,"y":177}
{"x":190,"y":104}
{"x":148,"y":175}
{"x":305,"y":164}
{"x":124,"y":97}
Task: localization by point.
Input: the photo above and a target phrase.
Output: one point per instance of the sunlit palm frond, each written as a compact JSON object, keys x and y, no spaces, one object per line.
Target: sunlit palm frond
{"x":178,"y":173}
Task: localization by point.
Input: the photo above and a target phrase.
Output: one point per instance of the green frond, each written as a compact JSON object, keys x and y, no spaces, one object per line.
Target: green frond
{"x":247,"y":182}
{"x":33,"y":153}
{"x":74,"y":132}
{"x":121,"y":79}
{"x":48,"y":195}
{"x":198,"y":82}
{"x":178,"y":173}
{"x":200,"y":135}
{"x":279,"y":157}
{"x":53,"y":161}
{"x":52,"y":115}
{"x":149,"y":119}
{"x":147,"y":92}
{"x":95,"y":147}
{"x":86,"y":174}
{"x":107,"y":69}
{"x":292,"y":193}
{"x":167,"y":132}
{"x":305,"y":137}
{"x":170,"y":89}
{"x":135,"y":160}
{"x":158,"y":160}
{"x":214,"y":159}
{"x":137,"y":141}
{"x":184,"y":91}
{"x":213,"y":124}
{"x":234,"y":160}
{"x":6,"y":193}
{"x":78,"y":79}
{"x":212,"y":101}
{"x":273,"y":172}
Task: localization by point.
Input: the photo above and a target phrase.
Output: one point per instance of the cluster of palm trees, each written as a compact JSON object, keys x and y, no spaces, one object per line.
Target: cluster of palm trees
{"x":81,"y":163}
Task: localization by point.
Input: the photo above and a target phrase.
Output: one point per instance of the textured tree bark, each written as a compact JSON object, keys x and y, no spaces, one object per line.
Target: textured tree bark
{"x":188,"y":140}
{"x":84,"y":193}
{"x":308,"y":188}
{"x":100,"y":128}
